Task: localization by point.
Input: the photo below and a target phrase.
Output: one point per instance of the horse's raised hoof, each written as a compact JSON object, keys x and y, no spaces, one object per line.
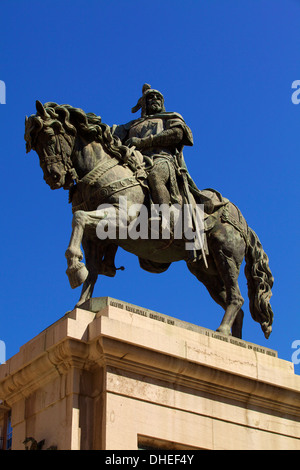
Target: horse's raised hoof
{"x":77,"y":275}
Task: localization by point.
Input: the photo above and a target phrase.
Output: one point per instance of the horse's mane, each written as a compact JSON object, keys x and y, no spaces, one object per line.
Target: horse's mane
{"x":70,"y":120}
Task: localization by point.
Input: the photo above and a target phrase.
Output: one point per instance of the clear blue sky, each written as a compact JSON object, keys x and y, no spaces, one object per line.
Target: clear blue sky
{"x":227,"y":67}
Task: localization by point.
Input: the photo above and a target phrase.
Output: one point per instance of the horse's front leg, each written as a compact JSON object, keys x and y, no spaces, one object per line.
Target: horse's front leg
{"x":91,"y":251}
{"x":77,"y":272}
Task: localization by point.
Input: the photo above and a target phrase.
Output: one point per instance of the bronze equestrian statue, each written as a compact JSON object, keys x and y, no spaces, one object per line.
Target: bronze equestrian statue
{"x":142,"y":162}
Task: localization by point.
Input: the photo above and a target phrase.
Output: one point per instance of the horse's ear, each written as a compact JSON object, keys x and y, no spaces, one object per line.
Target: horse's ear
{"x":41,"y":110}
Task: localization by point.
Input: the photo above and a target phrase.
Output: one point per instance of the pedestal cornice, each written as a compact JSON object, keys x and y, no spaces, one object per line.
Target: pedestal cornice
{"x":126,"y":345}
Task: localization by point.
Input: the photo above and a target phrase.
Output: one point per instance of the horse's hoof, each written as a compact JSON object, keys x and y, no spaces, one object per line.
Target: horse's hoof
{"x":224,"y":330}
{"x":77,"y":275}
{"x":79,"y":303}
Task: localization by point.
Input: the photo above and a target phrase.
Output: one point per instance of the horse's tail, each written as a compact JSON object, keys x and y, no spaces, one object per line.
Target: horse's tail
{"x":260,"y":282}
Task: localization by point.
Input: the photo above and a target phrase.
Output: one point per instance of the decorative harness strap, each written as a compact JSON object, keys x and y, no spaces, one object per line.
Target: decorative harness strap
{"x":93,"y":176}
{"x":101,"y":194}
{"x":105,"y":192}
{"x":237,"y":221}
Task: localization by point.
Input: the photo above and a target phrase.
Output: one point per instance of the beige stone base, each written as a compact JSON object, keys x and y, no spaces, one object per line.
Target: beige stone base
{"x":118,"y":377}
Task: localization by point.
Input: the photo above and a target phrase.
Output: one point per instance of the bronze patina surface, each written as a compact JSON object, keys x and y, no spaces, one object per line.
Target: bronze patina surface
{"x":143,"y":161}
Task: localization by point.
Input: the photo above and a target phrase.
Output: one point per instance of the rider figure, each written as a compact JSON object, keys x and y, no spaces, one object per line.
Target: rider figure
{"x":160,"y":136}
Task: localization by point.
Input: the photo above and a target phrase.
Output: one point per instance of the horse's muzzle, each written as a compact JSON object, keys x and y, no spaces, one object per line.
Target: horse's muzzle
{"x":55,"y":180}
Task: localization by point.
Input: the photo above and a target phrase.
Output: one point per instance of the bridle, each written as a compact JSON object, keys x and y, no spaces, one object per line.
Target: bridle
{"x":60,"y":157}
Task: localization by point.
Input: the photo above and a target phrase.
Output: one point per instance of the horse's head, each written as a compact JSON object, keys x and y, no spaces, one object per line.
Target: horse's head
{"x":49,"y":133}
{"x":70,"y":143}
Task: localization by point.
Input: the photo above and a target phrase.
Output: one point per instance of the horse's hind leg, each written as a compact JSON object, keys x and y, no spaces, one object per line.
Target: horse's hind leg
{"x":229,"y":272}
{"x":237,"y":326}
{"x":218,"y":293}
{"x":217,"y":290}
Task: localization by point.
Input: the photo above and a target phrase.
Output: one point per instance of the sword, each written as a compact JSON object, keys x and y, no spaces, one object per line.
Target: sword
{"x":191,"y":205}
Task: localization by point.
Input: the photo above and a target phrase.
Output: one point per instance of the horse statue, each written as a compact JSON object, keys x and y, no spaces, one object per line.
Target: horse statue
{"x":80,"y":153}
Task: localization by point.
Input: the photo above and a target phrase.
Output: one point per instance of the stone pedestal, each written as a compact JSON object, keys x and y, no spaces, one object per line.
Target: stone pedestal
{"x":114,"y":376}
